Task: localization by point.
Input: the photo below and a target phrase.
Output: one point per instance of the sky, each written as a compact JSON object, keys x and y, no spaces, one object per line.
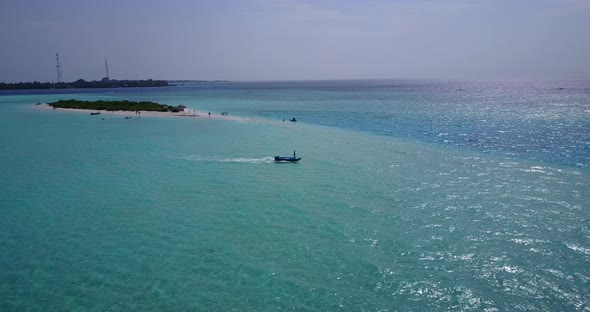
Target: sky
{"x":295,"y":39}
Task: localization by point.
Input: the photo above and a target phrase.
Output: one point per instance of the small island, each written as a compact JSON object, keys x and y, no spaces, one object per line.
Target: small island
{"x":128,"y":109}
{"x":117,"y":106}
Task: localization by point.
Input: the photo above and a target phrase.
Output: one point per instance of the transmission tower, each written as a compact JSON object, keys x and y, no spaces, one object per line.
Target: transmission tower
{"x":106,"y":66}
{"x":58,"y":68}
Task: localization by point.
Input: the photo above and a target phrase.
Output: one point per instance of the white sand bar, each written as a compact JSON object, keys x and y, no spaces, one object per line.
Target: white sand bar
{"x":189,"y":113}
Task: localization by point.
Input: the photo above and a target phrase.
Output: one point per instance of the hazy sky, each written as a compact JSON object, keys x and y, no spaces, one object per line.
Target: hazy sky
{"x":292,"y":40}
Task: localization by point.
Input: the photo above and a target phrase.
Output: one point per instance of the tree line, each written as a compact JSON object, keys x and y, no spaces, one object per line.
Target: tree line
{"x":81,"y":83}
{"x":116,"y":105}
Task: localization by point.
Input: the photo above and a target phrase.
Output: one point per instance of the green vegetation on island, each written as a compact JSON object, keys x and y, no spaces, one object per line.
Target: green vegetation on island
{"x":82,"y":84}
{"x":116,"y":106}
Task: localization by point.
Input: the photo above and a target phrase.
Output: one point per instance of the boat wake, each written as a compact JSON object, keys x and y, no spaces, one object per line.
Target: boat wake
{"x":263,"y":160}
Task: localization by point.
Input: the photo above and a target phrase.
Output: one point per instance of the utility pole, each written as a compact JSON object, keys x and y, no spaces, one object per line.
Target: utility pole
{"x":58,"y":68}
{"x":106,"y":66}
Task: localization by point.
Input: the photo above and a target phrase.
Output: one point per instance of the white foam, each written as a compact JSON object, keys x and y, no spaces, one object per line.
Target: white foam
{"x":511,"y":269}
{"x":262,"y":160}
{"x":579,"y":248}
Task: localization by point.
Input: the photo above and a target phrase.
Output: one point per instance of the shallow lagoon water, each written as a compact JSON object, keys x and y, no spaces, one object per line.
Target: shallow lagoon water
{"x":382,"y":213}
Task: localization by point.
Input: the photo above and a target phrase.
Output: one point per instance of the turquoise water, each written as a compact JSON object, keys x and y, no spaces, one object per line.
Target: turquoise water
{"x":411,"y":195}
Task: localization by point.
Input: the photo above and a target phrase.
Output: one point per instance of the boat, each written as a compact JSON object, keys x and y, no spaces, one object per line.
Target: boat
{"x":97,"y":113}
{"x":287,"y":158}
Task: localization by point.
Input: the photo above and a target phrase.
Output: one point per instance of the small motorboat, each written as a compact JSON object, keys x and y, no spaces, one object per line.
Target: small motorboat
{"x":287,"y":158}
{"x":97,"y":113}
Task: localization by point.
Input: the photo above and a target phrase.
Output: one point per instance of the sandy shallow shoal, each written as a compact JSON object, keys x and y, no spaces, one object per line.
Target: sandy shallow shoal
{"x":191,"y":113}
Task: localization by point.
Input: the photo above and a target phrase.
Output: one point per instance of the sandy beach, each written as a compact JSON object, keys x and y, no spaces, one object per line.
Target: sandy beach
{"x":188,"y":113}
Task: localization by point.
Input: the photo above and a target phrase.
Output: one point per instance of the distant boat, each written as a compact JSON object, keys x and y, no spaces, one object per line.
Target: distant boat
{"x":287,"y":158}
{"x":97,"y":113}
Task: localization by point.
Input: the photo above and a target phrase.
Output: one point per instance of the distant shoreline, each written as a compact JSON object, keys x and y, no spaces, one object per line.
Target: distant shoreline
{"x":198,"y":81}
{"x":83,"y":84}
